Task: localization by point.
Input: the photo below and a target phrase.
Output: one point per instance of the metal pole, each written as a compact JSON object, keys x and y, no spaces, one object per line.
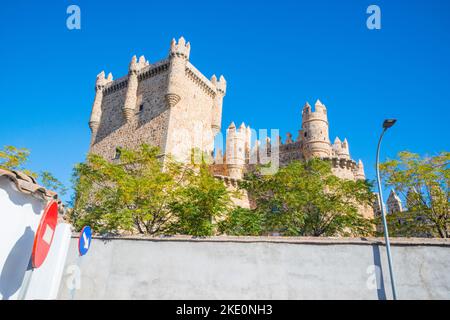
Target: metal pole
{"x":383,"y":216}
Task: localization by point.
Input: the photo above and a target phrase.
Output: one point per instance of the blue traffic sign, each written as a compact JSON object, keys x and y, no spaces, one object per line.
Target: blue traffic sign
{"x":84,"y":241}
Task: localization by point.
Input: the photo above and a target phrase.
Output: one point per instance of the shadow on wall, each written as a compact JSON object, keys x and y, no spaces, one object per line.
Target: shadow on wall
{"x":381,"y":292}
{"x":16,"y":264}
{"x":20,"y":199}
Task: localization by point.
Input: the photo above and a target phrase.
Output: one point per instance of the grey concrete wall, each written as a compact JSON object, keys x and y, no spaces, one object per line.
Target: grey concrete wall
{"x":257,"y":268}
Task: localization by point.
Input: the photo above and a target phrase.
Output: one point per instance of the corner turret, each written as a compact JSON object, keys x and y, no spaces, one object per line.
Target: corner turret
{"x":221,"y":88}
{"x":96,"y":113}
{"x":178,"y":56}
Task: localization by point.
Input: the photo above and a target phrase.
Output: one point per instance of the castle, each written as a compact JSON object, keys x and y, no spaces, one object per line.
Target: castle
{"x":172,"y":105}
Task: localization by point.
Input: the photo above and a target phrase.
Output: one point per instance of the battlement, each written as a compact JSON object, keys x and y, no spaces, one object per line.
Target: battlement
{"x":101,"y":82}
{"x":180,"y":49}
{"x":221,"y":84}
{"x":199,"y":79}
{"x":137,"y":65}
{"x":144,"y":72}
{"x":319,"y":112}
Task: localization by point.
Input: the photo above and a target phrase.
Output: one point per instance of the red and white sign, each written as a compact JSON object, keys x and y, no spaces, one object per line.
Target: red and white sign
{"x":44,"y":234}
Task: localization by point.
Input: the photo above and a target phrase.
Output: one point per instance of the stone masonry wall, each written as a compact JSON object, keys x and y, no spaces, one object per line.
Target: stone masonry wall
{"x":147,"y":126}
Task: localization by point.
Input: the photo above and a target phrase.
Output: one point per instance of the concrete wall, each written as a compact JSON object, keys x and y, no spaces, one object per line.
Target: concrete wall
{"x":256,"y":268}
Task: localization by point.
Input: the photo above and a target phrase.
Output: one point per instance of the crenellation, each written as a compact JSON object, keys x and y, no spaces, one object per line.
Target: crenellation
{"x":198,"y":78}
{"x":153,"y":69}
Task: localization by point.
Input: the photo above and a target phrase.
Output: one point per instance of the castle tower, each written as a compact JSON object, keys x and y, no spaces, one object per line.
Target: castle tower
{"x":235,"y":150}
{"x":167,"y":104}
{"x":96,"y":113}
{"x":178,"y":57}
{"x":134,"y":67}
{"x":316,"y":142}
{"x":221,"y":88}
{"x":359,"y":172}
{"x":394,"y":204}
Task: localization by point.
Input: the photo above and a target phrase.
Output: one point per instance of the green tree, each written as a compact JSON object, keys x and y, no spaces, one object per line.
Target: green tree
{"x":12,"y":158}
{"x":135,"y":193}
{"x":424,"y":183}
{"x":202,"y":202}
{"x":131,"y":194}
{"x":243,"y":222}
{"x":306,"y":199}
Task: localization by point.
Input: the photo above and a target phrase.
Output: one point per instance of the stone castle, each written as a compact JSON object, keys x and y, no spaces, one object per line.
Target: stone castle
{"x":172,"y":105}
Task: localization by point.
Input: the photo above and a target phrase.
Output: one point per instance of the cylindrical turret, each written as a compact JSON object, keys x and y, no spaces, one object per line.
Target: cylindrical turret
{"x":135,"y":66}
{"x":221,"y":87}
{"x":235,"y":151}
{"x":359,"y":173}
{"x":96,"y":113}
{"x":178,"y":55}
{"x":131,"y":95}
{"x":316,"y":142}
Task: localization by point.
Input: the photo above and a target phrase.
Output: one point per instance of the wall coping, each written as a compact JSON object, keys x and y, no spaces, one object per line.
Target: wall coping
{"x":288,"y":240}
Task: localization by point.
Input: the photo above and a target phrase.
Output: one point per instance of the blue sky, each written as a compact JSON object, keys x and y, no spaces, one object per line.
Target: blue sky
{"x":275,"y":56}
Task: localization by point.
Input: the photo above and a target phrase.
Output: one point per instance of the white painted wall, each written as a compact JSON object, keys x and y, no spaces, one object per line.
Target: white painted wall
{"x":20,"y":215}
{"x":231,"y":268}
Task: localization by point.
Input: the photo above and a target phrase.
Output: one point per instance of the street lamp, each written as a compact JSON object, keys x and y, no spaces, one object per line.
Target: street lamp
{"x":386,"y":125}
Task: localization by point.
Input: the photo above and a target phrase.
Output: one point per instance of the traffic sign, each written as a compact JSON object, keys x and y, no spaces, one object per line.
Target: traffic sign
{"x":84,"y":241}
{"x":44,"y":234}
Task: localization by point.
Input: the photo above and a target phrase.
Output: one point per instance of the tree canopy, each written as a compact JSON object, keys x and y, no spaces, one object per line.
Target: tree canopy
{"x":424,"y":183}
{"x":139,"y":192}
{"x":307,"y":199}
{"x":13,"y":158}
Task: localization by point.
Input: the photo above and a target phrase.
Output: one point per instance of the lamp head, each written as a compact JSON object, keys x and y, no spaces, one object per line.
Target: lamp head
{"x":388,"y":123}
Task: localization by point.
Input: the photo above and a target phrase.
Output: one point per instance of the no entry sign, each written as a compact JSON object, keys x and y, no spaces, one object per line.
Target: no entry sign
{"x":44,"y":234}
{"x":84,"y":241}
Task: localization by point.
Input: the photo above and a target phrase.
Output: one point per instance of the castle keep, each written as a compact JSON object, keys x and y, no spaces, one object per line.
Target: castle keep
{"x":169,"y":104}
{"x":172,"y":105}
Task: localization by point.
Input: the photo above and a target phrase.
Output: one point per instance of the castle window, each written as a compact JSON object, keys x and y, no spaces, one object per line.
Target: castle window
{"x":141,"y":107}
{"x":117,"y":155}
{"x":306,"y":134}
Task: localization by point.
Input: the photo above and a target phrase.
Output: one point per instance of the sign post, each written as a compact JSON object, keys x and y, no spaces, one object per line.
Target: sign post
{"x":42,"y":242}
{"x":84,"y":243}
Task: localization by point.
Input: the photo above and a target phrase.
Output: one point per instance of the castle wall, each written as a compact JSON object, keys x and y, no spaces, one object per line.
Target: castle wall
{"x":290,"y":152}
{"x":190,"y":119}
{"x":147,"y":126}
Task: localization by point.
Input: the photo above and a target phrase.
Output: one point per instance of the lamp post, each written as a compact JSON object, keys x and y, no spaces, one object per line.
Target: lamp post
{"x":386,"y":125}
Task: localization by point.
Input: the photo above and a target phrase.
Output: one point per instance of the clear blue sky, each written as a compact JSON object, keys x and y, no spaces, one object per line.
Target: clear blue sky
{"x":274,"y":55}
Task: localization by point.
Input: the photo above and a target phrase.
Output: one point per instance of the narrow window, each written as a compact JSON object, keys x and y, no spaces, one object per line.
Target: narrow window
{"x":117,"y":155}
{"x":141,"y":107}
